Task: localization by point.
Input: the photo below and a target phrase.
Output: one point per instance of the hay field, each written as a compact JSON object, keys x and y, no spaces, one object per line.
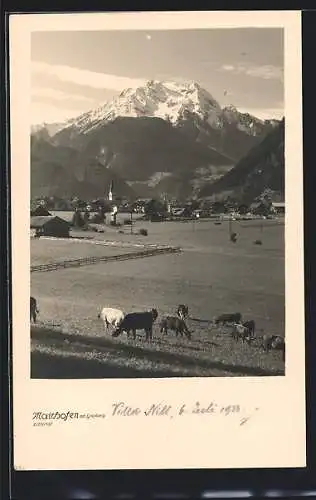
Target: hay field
{"x":46,"y":250}
{"x":212,"y":275}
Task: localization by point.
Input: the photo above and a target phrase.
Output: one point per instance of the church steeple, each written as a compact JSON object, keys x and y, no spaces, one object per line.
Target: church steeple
{"x":111,"y":191}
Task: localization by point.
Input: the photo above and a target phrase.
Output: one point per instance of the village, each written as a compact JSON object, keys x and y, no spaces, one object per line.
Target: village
{"x":52,"y":216}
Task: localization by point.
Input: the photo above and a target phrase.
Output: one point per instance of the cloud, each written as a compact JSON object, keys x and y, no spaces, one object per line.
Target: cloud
{"x":264,"y":113}
{"x":227,"y":67}
{"x":86,"y":78}
{"x":267,"y":71}
{"x":49,"y":93}
{"x":49,"y":113}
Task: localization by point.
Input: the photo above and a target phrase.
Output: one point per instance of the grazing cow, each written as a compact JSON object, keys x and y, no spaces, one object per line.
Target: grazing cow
{"x":183,"y":311}
{"x":241,"y":332}
{"x":112,"y":317}
{"x":228,"y":318}
{"x":137,"y":321}
{"x":176,"y":324}
{"x":275,"y":342}
{"x":33,"y":309}
{"x":251,"y":325}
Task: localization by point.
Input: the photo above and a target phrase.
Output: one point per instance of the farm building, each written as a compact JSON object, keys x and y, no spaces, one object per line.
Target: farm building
{"x":66,"y":215}
{"x":279,"y":207}
{"x":50,"y":226}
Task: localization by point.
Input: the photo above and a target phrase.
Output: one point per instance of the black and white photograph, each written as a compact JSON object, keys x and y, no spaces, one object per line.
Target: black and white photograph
{"x":157,"y":234}
{"x":157,"y":203}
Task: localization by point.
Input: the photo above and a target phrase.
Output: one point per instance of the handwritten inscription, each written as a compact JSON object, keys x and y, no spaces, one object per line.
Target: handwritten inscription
{"x":161,"y":410}
{"x":158,"y":410}
{"x":211,"y":409}
{"x":123,"y":410}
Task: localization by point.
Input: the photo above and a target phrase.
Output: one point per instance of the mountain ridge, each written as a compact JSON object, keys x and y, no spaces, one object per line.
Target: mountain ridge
{"x":174,"y":132}
{"x":260,"y":170}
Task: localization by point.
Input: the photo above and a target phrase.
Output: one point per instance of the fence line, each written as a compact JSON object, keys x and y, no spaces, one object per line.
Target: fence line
{"x":85,"y":261}
{"x":106,"y":243}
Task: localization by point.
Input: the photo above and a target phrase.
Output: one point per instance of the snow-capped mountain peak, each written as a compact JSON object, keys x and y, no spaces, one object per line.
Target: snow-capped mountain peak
{"x":177,"y":102}
{"x":168,"y":100}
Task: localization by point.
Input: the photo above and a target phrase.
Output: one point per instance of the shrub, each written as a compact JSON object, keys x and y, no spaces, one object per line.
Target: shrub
{"x":97,"y":219}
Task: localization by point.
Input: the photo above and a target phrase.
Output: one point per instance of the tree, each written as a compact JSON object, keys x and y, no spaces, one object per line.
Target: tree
{"x":195,"y":204}
{"x":154,"y":207}
{"x":218,"y":207}
{"x":77,"y":219}
{"x":262,"y":209}
{"x":86,"y":217}
{"x":243,"y":209}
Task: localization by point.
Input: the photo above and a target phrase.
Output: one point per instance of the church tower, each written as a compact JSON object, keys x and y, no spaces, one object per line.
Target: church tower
{"x":111,"y":192}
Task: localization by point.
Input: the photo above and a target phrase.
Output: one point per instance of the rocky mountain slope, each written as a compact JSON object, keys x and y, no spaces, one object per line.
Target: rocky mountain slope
{"x":261,"y":169}
{"x":162,"y":137}
{"x":47,"y":130}
{"x":65,"y":172}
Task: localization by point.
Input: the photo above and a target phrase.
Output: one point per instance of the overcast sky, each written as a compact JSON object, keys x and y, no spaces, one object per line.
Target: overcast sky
{"x":73,"y":72}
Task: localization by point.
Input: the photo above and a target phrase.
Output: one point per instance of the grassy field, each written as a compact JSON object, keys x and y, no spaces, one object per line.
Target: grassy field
{"x":211,"y":275}
{"x":44,"y":251}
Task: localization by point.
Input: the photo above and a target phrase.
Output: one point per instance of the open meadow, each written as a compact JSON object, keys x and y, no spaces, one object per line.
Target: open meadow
{"x":211,"y":275}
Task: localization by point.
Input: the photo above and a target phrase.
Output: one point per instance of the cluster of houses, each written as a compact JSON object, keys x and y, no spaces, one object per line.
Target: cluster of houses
{"x":43,"y":223}
{"x":82,"y":212}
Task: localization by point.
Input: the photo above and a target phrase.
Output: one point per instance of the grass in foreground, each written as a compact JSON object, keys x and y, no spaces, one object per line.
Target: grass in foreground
{"x":56,"y":354}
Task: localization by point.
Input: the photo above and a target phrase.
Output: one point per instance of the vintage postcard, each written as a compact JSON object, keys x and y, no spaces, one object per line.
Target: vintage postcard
{"x":157,"y":237}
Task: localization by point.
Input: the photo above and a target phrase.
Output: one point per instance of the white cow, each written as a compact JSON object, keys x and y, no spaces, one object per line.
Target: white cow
{"x":111,"y":316}
{"x":240,"y":332}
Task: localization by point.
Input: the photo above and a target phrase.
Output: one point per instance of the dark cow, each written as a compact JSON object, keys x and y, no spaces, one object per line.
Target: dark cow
{"x":137,"y":321}
{"x":251,"y":326}
{"x":183,"y":311}
{"x":33,"y":309}
{"x":176,"y":324}
{"x":275,"y":342}
{"x":223,"y":319}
